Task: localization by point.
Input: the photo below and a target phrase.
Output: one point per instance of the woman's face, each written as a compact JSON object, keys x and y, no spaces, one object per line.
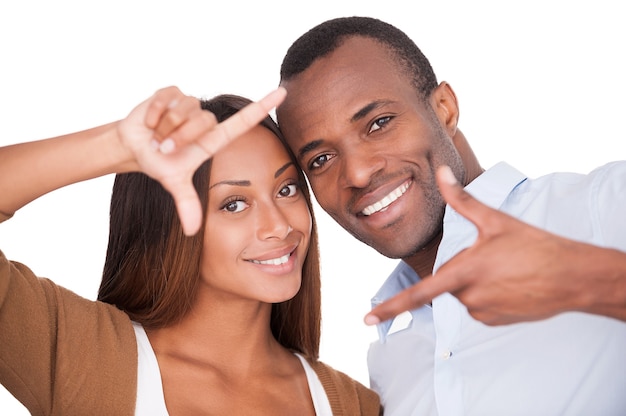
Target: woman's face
{"x":258,"y":224}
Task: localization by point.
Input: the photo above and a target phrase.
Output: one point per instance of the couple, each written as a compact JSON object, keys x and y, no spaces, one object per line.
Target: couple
{"x":226,"y":320}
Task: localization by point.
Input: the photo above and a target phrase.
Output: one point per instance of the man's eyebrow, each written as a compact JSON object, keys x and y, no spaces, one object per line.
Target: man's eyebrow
{"x":282,"y":169}
{"x":309,"y":147}
{"x":232,"y":183}
{"x":368,"y":108}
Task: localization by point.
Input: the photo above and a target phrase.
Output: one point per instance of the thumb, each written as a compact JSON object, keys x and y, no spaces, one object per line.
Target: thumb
{"x":459,"y":199}
{"x":188,"y":207}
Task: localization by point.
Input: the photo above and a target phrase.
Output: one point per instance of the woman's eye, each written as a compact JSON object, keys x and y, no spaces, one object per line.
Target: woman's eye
{"x":379,"y":123}
{"x":235,"y":206}
{"x":288,"y":190}
{"x":319,"y":161}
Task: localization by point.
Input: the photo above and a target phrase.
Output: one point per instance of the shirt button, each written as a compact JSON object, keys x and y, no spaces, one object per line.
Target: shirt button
{"x":446,"y":355}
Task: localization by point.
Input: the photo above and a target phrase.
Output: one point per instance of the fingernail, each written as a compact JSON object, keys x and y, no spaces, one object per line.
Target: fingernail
{"x":154,"y":144}
{"x":167,"y":146}
{"x":447,"y":175}
{"x":372,"y":320}
{"x":172,"y":104}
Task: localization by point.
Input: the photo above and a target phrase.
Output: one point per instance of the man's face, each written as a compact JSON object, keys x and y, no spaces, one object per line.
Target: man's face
{"x":369,"y":147}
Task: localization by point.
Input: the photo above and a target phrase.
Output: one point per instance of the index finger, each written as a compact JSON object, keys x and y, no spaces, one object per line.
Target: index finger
{"x":414,"y":297}
{"x":241,"y":122}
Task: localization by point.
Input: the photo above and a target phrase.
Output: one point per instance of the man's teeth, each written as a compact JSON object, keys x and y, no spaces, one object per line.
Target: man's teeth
{"x":384,"y":203}
{"x":274,"y":262}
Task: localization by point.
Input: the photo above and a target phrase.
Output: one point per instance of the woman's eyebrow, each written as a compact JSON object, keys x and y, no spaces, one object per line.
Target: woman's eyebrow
{"x":282,"y":169}
{"x":248,"y":183}
{"x":233,"y":183}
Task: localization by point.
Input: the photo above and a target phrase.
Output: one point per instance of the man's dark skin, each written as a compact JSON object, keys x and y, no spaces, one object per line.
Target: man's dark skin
{"x":364,"y":138}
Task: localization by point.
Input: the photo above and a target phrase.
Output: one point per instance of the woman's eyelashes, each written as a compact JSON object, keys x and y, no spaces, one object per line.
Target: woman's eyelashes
{"x":238,"y":203}
{"x":290,"y":189}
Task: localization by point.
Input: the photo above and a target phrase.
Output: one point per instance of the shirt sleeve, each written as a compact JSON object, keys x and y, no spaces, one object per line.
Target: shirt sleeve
{"x":609,"y":204}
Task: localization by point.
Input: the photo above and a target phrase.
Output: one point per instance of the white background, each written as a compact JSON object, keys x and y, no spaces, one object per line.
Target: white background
{"x":540,"y":85}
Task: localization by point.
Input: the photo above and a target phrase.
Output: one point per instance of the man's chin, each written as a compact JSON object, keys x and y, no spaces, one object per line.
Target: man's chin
{"x":387,"y":245}
{"x":398,"y":246}
{"x":397,"y":254}
{"x":391,"y":250}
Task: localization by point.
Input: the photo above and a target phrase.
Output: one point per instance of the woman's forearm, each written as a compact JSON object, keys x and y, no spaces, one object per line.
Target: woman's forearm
{"x":30,"y":170}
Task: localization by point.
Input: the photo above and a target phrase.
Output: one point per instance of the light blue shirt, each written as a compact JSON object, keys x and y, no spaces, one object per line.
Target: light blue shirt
{"x":440,"y":361}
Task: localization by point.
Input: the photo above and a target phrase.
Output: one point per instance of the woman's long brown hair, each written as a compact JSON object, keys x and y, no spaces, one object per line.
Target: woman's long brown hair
{"x":152,"y":270}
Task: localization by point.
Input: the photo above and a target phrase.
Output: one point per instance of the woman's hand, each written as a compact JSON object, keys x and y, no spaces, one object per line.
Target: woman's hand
{"x":150,"y":132}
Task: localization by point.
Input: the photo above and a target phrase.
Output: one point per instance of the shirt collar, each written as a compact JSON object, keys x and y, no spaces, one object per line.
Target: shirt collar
{"x":402,"y":277}
{"x":494,"y":185}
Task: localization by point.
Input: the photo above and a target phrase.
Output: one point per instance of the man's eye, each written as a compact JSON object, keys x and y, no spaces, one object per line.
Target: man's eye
{"x":379,"y":123}
{"x":288,"y":190}
{"x":319,"y":161}
{"x":235,"y":206}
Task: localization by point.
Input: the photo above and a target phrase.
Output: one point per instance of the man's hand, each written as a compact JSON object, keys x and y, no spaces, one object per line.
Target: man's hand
{"x":151,"y":130}
{"x":515,"y":272}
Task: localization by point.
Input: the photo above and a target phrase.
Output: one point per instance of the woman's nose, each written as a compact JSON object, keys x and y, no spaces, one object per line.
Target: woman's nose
{"x":273,"y":223}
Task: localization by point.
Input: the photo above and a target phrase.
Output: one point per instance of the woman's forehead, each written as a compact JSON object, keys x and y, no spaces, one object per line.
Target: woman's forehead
{"x":251,"y":155}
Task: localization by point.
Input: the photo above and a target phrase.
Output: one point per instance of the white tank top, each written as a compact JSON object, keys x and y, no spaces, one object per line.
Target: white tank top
{"x":150,"y":399}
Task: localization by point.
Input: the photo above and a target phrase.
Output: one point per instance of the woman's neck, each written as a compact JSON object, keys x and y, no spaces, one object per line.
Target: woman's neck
{"x":236,"y":335}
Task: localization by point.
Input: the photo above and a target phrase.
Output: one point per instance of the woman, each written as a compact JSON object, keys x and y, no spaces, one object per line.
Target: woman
{"x":220,"y":316}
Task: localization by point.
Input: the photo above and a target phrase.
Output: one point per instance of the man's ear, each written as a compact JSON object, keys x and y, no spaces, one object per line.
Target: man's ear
{"x":443,"y":101}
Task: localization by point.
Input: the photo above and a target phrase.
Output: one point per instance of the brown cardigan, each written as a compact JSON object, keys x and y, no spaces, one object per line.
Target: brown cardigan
{"x":61,"y":354}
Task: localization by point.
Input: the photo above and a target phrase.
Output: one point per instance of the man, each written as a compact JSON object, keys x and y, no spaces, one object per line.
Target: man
{"x":376,"y":134}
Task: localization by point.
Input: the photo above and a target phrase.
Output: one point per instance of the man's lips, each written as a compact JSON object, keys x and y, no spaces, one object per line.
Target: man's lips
{"x":385,"y":201}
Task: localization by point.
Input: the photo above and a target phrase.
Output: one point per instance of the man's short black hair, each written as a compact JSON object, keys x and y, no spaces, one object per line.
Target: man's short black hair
{"x":329,"y":35}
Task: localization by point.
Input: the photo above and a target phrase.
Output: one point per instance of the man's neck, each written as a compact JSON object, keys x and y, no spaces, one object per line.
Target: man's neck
{"x":424,"y":260}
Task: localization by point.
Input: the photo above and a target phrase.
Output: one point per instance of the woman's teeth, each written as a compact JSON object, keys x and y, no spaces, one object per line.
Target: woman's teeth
{"x":387,"y":200}
{"x":274,"y":262}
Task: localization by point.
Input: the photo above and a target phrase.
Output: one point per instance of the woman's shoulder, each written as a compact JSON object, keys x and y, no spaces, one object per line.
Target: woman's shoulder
{"x":346,"y":395}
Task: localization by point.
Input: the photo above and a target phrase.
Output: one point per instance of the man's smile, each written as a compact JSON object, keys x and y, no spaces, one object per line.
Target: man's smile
{"x":387,"y":199}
